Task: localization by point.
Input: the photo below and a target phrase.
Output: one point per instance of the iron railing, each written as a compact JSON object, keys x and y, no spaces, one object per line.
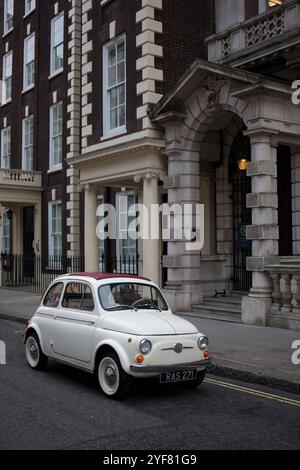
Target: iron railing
{"x":120,"y":264}
{"x":35,"y":273}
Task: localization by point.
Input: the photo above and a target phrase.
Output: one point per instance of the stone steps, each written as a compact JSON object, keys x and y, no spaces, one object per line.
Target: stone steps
{"x":220,"y":308}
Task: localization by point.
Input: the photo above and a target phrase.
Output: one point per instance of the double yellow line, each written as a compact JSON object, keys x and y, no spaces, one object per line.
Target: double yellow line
{"x":251,"y":391}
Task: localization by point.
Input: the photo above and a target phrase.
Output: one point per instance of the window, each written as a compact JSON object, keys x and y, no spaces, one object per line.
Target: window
{"x":27,"y":140}
{"x":29,"y":6}
{"x":5,"y":234}
{"x":56,"y":129}
{"x":53,"y":295}
{"x":121,"y":296}
{"x":57,"y":44}
{"x":126,"y":236}
{"x":8,"y":15}
{"x":114,"y":87}
{"x":7,"y":77}
{"x":55,"y":229}
{"x":29,"y":61}
{"x":5,"y":147}
{"x":78,"y":296}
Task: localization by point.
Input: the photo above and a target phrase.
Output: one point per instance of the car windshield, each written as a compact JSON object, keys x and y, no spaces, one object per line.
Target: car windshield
{"x":130,"y":295}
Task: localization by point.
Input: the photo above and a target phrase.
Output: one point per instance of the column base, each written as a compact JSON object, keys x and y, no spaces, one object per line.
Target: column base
{"x":255,"y":310}
{"x":181,"y":298}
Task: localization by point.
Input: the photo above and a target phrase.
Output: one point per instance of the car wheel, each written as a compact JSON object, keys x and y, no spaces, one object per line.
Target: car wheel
{"x":34,"y":354}
{"x":113,"y":381}
{"x":196,"y":382}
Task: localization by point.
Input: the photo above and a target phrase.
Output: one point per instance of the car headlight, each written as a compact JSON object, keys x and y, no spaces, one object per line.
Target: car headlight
{"x":203,"y":342}
{"x":145,"y":346}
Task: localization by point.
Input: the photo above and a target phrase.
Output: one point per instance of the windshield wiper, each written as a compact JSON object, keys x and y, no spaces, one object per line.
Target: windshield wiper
{"x":149,"y":307}
{"x":120,"y":307}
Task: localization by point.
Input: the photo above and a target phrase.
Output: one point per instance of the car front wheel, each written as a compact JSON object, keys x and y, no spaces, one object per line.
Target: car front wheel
{"x":113,"y":381}
{"x":34,"y":354}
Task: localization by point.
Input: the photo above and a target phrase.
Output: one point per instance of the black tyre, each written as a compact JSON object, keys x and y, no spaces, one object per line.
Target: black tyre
{"x":34,"y":354}
{"x":113,"y":381}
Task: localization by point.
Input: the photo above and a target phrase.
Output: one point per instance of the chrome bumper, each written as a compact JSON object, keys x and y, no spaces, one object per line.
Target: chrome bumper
{"x":171,"y":368}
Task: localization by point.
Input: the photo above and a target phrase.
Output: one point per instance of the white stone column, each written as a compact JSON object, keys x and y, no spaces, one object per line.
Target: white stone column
{"x":91,"y":251}
{"x":151,"y":247}
{"x":264,"y":231}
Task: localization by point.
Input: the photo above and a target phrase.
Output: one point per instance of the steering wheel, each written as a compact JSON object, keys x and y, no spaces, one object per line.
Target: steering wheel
{"x":146,"y":303}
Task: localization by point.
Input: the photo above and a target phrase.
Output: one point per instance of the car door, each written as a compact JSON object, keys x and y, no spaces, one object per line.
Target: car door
{"x":46,"y":314}
{"x":75,"y":323}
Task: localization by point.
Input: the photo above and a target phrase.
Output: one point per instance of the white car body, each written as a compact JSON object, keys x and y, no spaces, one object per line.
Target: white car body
{"x":76,"y":337}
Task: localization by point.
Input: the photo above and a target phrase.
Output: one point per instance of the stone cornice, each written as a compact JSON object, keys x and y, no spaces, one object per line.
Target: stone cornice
{"x":118,"y":151}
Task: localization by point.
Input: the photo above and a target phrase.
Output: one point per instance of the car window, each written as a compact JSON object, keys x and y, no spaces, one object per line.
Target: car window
{"x":124,"y":295}
{"x":53,"y":295}
{"x":78,"y":296}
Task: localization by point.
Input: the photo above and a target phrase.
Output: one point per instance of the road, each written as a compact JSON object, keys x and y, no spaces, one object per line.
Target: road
{"x":61,"y":408}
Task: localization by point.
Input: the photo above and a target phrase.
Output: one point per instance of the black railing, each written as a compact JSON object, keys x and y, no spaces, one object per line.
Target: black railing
{"x":119,"y":264}
{"x":34,"y":273}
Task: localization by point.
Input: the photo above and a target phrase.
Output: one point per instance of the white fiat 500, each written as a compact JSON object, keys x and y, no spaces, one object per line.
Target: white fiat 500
{"x":118,"y":327}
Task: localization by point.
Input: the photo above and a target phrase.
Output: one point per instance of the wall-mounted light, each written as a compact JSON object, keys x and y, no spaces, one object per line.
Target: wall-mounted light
{"x":243,"y":164}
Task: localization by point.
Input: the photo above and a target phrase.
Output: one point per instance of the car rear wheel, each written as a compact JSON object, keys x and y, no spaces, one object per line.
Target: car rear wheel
{"x":34,"y":354}
{"x":196,"y":382}
{"x":113,"y":381}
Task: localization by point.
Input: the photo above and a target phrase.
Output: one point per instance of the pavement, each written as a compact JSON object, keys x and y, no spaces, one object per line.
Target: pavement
{"x":260,"y":355}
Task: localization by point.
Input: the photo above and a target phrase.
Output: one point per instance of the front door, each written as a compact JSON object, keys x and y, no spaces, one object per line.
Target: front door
{"x":241,"y":186}
{"x":75,"y":323}
{"x":28,"y":240}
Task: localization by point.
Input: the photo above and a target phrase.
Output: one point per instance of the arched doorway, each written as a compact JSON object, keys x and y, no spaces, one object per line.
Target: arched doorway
{"x":241,"y":185}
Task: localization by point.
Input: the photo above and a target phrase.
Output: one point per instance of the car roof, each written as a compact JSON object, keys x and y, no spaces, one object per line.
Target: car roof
{"x":101,"y":276}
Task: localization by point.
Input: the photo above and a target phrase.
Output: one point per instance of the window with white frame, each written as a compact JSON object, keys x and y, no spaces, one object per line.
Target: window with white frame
{"x":29,"y":61}
{"x":126,"y":243}
{"x":5,"y":234}
{"x":56,"y":130}
{"x":29,"y":6}
{"x":114,"y":73}
{"x":8,"y":15}
{"x":55,"y":228}
{"x":57,"y":43}
{"x":7,"y":77}
{"x":27,"y":144}
{"x":5,"y":147}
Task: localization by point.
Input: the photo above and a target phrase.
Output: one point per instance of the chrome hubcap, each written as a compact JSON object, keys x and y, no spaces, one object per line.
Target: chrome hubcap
{"x":32,"y":351}
{"x":110,"y":376}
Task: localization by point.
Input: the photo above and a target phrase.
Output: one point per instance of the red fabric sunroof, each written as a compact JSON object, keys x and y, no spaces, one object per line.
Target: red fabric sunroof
{"x":100,"y":276}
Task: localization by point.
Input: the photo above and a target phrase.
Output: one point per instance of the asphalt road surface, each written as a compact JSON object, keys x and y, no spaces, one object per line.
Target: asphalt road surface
{"x":62,"y":408}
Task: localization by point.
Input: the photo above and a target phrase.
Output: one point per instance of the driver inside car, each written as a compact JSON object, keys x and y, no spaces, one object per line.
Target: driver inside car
{"x":127,"y":295}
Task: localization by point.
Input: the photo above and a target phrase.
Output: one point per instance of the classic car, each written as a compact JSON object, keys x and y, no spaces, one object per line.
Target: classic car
{"x":118,"y":327}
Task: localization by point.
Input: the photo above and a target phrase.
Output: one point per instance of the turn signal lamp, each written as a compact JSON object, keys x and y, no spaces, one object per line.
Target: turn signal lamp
{"x":139,"y":358}
{"x":206,"y":354}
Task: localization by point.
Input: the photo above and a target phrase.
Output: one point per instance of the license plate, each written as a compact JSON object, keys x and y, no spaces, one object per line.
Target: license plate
{"x":179,"y":376}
